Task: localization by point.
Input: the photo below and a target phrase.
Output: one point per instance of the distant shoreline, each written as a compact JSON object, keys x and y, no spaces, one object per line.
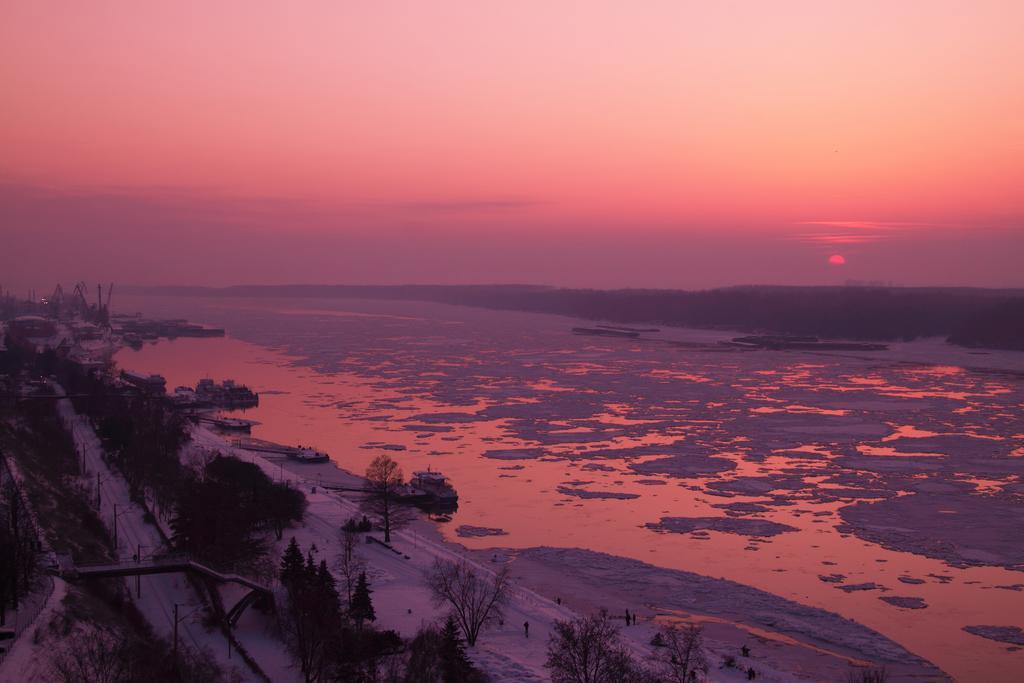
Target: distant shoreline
{"x":973,"y":318}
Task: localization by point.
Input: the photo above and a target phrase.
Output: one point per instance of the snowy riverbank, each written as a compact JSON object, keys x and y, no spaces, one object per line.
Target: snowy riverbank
{"x":788,"y":641}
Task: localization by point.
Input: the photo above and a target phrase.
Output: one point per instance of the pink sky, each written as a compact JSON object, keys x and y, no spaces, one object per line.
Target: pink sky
{"x":577,"y":143}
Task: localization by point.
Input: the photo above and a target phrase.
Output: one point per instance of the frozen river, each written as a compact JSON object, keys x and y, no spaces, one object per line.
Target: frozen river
{"x":884,"y":487}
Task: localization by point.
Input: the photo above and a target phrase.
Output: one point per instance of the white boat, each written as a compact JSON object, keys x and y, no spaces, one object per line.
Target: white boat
{"x":436,"y":487}
{"x":309,"y":455}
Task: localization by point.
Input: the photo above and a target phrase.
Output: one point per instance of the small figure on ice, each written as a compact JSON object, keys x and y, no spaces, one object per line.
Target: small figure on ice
{"x":526,"y":628}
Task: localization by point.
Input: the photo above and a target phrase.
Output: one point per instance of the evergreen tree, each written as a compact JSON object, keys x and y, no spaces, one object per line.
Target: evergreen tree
{"x":309,"y":570}
{"x":312,"y":619}
{"x":327,"y":591}
{"x":291,"y":564}
{"x":362,"y":606}
{"x":455,"y":665}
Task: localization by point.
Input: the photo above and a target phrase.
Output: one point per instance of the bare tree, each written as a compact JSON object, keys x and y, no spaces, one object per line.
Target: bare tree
{"x":99,"y":658}
{"x":475,"y":600}
{"x":384,"y":477}
{"x":682,"y":658}
{"x":588,"y":650}
{"x":350,"y":565}
{"x":868,"y":676}
{"x":103,"y":656}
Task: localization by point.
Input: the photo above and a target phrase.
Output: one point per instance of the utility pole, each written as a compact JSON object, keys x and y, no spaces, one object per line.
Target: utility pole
{"x":116,"y":515}
{"x":138,"y":577}
{"x":97,"y":490}
{"x":175,"y":634}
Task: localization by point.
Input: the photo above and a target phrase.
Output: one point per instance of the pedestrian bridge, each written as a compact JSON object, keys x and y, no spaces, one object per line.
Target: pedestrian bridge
{"x":169,"y":565}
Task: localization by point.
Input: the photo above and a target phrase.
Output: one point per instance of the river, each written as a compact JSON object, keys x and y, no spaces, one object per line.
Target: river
{"x":668,"y":449}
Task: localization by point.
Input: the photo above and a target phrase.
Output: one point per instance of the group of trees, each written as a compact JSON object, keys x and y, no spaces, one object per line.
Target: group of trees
{"x":119,"y":656}
{"x":331,"y":635}
{"x":19,"y":547}
{"x":103,"y":637}
{"x":223,"y":514}
{"x":589,"y":650}
{"x":312,"y":618}
{"x":142,"y":436}
{"x":437,"y":655}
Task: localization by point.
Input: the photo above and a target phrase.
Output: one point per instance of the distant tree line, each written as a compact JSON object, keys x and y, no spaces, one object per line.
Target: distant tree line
{"x":1000,"y":326}
{"x":971,"y":317}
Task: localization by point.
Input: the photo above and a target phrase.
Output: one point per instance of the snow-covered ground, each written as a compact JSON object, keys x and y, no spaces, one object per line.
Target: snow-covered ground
{"x":23,"y":662}
{"x":789,"y":642}
{"x":159,"y":593}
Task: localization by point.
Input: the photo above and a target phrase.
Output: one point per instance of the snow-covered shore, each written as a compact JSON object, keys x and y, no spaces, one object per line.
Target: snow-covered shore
{"x":788,"y":641}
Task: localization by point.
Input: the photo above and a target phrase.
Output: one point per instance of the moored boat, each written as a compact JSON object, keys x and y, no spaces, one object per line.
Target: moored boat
{"x":431,"y":488}
{"x":307,"y":455}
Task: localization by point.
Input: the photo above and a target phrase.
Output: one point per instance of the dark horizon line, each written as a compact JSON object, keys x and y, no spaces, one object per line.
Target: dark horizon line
{"x":872,"y":285}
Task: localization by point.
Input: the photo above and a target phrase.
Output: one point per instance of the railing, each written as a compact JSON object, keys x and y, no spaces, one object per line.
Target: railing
{"x":152,"y":560}
{"x":33,"y":602}
{"x":25,"y":616}
{"x":173,"y":563}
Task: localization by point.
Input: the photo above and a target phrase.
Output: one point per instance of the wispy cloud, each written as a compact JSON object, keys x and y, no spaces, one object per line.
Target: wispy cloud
{"x":833,"y":233}
{"x":464,"y":205}
{"x":863,"y":225}
{"x":837,"y":238}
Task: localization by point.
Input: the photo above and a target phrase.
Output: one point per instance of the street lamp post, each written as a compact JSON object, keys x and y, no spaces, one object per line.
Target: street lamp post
{"x":99,"y":480}
{"x":175,"y":633}
{"x":138,"y":577}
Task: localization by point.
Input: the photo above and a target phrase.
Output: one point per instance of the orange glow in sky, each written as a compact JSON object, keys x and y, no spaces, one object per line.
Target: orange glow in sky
{"x":471,"y":126}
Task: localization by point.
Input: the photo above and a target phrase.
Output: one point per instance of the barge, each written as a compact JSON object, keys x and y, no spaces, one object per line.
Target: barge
{"x":604,"y":332}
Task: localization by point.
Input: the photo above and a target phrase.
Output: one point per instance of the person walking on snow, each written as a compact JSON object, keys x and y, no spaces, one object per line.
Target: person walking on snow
{"x":526,"y":628}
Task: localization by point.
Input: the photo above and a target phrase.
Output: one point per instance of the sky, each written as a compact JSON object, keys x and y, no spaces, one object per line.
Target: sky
{"x":591,"y":143}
